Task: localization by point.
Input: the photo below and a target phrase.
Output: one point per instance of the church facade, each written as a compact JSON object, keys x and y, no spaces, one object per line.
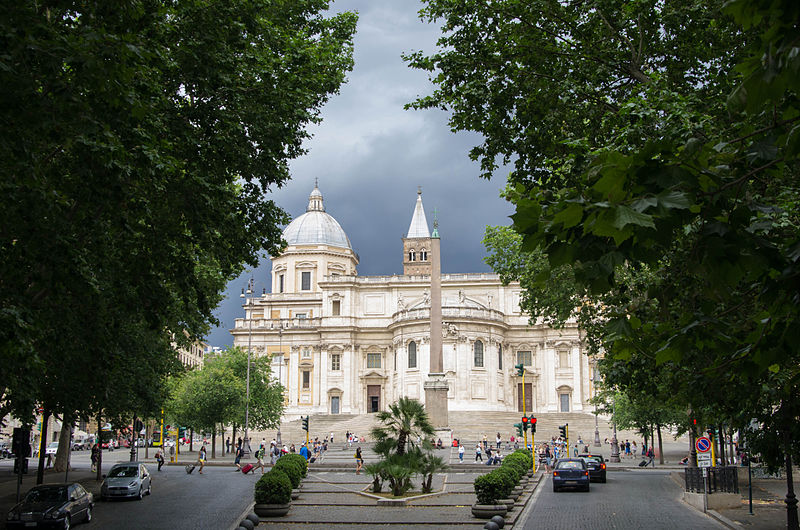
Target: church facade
{"x":341,"y":343}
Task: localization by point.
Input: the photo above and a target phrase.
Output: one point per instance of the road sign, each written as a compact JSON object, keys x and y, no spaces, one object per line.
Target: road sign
{"x":703,"y":460}
{"x":703,"y":445}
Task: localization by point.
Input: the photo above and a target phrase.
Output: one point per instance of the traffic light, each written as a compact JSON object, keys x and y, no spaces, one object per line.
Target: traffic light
{"x":20,"y":443}
{"x":563,"y":430}
{"x":519,"y":428}
{"x":520,"y":369}
{"x":532,"y":422}
{"x":305,"y":423}
{"x":525,"y":423}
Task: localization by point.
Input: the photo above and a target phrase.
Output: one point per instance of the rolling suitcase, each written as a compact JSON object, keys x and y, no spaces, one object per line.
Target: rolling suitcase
{"x":247,"y":468}
{"x":190,"y":468}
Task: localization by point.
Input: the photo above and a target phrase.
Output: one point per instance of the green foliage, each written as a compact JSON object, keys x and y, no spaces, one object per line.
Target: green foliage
{"x":140,"y":140}
{"x":398,"y":470}
{"x":274,"y":487}
{"x":292,"y":468}
{"x":429,"y":466}
{"x":298,"y":460}
{"x":402,"y":423}
{"x":655,"y":164}
{"x":375,"y":470}
{"x":491,"y":487}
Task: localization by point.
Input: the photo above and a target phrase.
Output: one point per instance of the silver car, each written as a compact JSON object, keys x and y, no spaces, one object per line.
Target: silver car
{"x":129,"y":479}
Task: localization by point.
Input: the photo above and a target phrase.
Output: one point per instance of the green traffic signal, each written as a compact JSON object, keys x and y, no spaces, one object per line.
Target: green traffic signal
{"x":519,"y":428}
{"x":520,"y":369}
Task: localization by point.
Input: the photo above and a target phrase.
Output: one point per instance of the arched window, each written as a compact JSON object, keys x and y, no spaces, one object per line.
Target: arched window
{"x":478,"y":351}
{"x":423,"y":255}
{"x":412,"y":354}
{"x":412,"y":256}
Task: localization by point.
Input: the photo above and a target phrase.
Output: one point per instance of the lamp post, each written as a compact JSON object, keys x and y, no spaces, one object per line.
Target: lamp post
{"x":249,"y":301}
{"x":614,"y":444}
{"x":595,"y":379}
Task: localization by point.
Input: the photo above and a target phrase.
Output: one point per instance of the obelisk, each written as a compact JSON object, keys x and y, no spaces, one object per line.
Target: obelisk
{"x":436,"y":385}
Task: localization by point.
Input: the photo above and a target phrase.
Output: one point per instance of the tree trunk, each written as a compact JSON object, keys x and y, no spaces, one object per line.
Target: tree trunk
{"x":214,"y":443}
{"x":148,"y":435}
{"x":791,"y":499}
{"x":64,"y":445}
{"x":99,"y":440}
{"x":660,"y":447}
{"x":191,"y":439}
{"x":42,"y":446}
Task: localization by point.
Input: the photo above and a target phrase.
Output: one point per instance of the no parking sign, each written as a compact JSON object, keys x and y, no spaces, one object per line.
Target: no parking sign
{"x":703,"y":445}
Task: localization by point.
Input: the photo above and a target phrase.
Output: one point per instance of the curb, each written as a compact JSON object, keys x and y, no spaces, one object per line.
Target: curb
{"x":244,"y":514}
{"x":722,"y":519}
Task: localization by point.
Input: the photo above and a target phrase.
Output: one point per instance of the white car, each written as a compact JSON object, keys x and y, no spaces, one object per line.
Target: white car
{"x":51,"y":449}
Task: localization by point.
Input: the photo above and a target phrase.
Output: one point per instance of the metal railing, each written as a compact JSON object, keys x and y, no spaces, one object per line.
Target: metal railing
{"x":720,"y":479}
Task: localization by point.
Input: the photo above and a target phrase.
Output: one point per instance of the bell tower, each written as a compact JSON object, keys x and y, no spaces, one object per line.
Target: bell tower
{"x":417,"y":243}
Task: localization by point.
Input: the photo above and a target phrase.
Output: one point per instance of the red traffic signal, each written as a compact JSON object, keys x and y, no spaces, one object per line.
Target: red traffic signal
{"x":167,"y":427}
{"x":524,"y":420}
{"x":533,"y":420}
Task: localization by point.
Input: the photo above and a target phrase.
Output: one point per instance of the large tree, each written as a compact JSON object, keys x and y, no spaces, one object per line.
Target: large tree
{"x":140,"y":139}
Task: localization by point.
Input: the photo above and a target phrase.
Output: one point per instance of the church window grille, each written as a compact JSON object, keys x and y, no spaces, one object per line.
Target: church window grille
{"x":423,"y":255}
{"x":478,"y":351}
{"x":305,"y":278}
{"x":412,"y":354}
{"x":280,"y":283}
{"x":373,"y":360}
{"x":306,"y":379}
{"x":336,"y":362}
{"x":524,"y":358}
{"x":412,"y":256}
{"x":306,"y":353}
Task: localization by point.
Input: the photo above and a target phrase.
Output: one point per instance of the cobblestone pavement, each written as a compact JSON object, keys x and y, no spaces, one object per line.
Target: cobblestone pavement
{"x":630,"y":499}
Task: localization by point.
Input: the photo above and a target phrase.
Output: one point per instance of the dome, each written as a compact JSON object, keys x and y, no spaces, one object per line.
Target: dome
{"x":315,"y":227}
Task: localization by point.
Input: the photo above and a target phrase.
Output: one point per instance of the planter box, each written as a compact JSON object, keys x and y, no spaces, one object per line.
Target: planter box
{"x":295,"y":494}
{"x":272,"y":510}
{"x":487,"y":511}
{"x":508,"y":502}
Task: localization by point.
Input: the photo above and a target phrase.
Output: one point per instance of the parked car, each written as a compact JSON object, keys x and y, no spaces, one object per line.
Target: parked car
{"x":570,"y":473}
{"x":51,"y":449}
{"x":597,"y":467}
{"x":107,"y":445}
{"x":52,"y":506}
{"x":5,"y":450}
{"x":128,"y":479}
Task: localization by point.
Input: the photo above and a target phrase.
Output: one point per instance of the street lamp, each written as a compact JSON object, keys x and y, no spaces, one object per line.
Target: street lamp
{"x":249,"y":300}
{"x":595,"y":379}
{"x":280,"y":380}
{"x":614,"y":444}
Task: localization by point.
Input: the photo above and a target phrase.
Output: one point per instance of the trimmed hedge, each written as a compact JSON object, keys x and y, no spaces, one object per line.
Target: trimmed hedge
{"x":273,"y":487}
{"x":498,"y":483}
{"x":294,"y":457}
{"x":292,"y":470}
{"x":489,"y":488}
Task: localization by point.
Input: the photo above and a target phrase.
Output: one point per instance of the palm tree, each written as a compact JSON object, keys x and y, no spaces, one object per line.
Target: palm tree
{"x":429,"y":466}
{"x":405,"y":418}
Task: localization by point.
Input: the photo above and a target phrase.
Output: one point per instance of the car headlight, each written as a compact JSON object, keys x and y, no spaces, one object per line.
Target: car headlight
{"x":133,"y":484}
{"x":13,"y":515}
{"x":53,"y":514}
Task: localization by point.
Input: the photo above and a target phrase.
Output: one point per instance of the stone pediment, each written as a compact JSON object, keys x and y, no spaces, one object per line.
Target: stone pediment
{"x":373,"y":374}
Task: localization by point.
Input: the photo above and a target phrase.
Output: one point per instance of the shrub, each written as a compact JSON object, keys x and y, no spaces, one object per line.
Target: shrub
{"x":273,"y":488}
{"x":489,"y":488}
{"x":514,"y":468}
{"x":291,"y":469}
{"x":509,"y":478}
{"x":294,"y":457}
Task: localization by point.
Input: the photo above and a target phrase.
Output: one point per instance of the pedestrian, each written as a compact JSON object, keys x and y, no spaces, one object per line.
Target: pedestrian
{"x":359,"y":460}
{"x":201,"y":459}
{"x":238,"y":458}
{"x":304,"y":452}
{"x":460,"y":454}
{"x":575,"y":450}
{"x":228,"y":445}
{"x":159,"y":459}
{"x":497,"y":439}
{"x":478,"y":455}
{"x":485,"y":441}
{"x":96,"y":456}
{"x":627,"y":447}
{"x":634,"y":449}
{"x":548,"y":458}
{"x":260,"y":458}
{"x":239,"y":442}
{"x":331,"y":437}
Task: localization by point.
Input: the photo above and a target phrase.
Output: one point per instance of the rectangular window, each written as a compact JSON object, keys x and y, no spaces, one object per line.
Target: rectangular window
{"x":373,"y":360}
{"x":336,"y":308}
{"x":524,"y":358}
{"x":499,"y":356}
{"x":306,"y":379}
{"x":305,"y":281}
{"x":563,"y":358}
{"x":280,"y":283}
{"x":300,"y":315}
{"x":336,"y":362}
{"x":306,"y":353}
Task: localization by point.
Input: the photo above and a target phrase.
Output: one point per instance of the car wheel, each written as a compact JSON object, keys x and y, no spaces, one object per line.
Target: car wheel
{"x":66,"y":522}
{"x":555,"y":489}
{"x":150,"y":488}
{"x":89,"y":514}
{"x":603,"y":480}
{"x":141,"y":493}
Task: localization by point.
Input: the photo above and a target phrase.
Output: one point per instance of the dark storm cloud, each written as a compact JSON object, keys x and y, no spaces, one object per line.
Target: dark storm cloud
{"x":370,"y":155}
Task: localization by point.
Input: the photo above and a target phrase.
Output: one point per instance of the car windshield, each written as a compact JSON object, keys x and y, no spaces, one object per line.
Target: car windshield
{"x":123,"y":471}
{"x":596,"y":459}
{"x":570,"y":464}
{"x":52,"y":444}
{"x":47,"y":494}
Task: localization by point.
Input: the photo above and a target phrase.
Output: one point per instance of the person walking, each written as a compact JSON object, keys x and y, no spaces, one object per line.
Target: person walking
{"x":498,"y":440}
{"x":159,"y":459}
{"x":96,"y":457}
{"x":478,"y":455}
{"x":359,"y":460}
{"x":260,"y":458}
{"x":460,"y":453}
{"x":228,"y":445}
{"x":634,"y":449}
{"x":331,"y":437}
{"x":238,"y":458}
{"x":201,"y":459}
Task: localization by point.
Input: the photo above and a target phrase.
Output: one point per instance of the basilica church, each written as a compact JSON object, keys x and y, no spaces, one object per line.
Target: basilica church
{"x":341,"y":343}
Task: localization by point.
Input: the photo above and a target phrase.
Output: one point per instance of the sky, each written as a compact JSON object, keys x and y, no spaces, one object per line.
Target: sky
{"x":370,"y":155}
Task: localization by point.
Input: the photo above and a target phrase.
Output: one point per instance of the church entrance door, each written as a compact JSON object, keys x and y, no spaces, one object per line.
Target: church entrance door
{"x":374,"y":398}
{"x":334,"y":404}
{"x":528,"y":397}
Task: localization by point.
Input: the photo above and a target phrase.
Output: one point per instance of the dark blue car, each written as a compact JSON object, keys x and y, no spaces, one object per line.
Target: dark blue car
{"x":571,"y":473}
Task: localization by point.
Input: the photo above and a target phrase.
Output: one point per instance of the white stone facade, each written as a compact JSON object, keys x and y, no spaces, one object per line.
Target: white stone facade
{"x":353,"y":344}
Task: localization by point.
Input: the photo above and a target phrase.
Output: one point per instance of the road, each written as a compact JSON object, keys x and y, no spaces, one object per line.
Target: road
{"x":212,"y":500}
{"x":630,"y":499}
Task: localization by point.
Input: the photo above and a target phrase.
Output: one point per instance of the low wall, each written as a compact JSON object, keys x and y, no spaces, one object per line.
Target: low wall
{"x":716,"y":501}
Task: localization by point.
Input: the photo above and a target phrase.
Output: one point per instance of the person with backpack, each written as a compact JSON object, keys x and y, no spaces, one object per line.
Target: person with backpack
{"x":260,"y":452}
{"x":238,"y":459}
{"x":201,"y":459}
{"x":359,"y":460}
